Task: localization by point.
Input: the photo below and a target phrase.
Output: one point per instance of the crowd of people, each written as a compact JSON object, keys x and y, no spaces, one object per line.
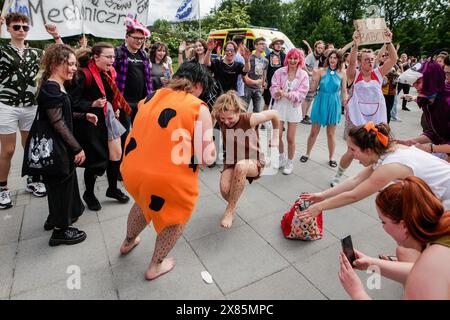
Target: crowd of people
{"x":122,"y":110}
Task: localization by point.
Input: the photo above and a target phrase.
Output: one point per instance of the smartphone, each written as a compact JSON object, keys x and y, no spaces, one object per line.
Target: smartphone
{"x":347,"y":247}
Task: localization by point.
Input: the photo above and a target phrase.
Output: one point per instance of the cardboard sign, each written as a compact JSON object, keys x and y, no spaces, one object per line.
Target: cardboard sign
{"x":102,"y":18}
{"x":372,"y":30}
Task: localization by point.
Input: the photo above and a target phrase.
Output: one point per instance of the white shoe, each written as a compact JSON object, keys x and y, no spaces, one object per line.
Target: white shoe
{"x":5,"y":199}
{"x":336,"y":180}
{"x":289,"y":167}
{"x":37,"y":189}
{"x":282,"y":161}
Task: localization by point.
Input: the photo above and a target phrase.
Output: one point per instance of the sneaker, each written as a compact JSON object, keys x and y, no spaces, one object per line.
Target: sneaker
{"x":306,"y":120}
{"x":396,"y":119}
{"x":91,"y":201}
{"x":289,"y":167}
{"x":336,"y":180}
{"x":282,"y":161}
{"x":67,"y":236}
{"x":212,"y":165}
{"x":5,"y":198}
{"x":118,"y":195}
{"x":37,"y":189}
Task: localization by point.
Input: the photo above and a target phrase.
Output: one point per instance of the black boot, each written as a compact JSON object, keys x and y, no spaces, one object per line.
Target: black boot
{"x":118,"y":195}
{"x":67,"y":236}
{"x":91,"y":201}
{"x":48,"y":226}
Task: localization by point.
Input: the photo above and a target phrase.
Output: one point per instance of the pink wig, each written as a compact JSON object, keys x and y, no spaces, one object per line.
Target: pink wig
{"x":297,"y":53}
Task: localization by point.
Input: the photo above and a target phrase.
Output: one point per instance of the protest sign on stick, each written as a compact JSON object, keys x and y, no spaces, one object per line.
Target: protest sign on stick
{"x":101,"y":18}
{"x":372,"y":30}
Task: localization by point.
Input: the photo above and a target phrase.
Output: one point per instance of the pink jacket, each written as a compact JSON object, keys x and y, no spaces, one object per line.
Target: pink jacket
{"x":298,"y":93}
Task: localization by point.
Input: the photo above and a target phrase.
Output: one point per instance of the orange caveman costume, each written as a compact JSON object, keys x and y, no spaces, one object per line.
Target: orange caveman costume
{"x":158,"y":167}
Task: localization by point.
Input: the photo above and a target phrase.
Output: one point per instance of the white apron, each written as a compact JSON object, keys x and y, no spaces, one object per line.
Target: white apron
{"x":367,"y":101}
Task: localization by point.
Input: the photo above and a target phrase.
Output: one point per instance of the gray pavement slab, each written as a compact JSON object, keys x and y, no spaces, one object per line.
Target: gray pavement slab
{"x":183,"y":282}
{"x":7,"y":254}
{"x":38,"y":264}
{"x":346,"y":220}
{"x":205,"y":219}
{"x":95,"y":285}
{"x":235,"y":264}
{"x":10,"y":224}
{"x":288,"y":284}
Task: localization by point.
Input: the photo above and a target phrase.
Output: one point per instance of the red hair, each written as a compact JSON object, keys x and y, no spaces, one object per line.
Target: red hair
{"x":296,"y":53}
{"x":413,"y":201}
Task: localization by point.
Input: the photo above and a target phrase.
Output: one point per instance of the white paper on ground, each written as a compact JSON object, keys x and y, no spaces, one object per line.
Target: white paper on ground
{"x":207,"y":277}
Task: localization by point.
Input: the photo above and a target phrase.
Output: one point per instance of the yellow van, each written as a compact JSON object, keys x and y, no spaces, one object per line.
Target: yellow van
{"x":249,"y":34}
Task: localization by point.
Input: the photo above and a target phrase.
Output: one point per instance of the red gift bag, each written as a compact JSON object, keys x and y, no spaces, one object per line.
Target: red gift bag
{"x":294,"y":227}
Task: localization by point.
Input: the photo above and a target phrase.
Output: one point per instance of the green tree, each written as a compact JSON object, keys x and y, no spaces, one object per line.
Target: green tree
{"x":231,"y":14}
{"x":265,"y":13}
{"x":397,"y":10}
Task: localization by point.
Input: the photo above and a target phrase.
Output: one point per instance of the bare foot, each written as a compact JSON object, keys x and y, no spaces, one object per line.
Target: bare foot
{"x":227,"y":220}
{"x":127,"y":247}
{"x":160,"y":269}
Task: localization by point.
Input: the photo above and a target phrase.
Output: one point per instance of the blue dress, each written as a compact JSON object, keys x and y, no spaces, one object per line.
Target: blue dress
{"x":326,"y":108}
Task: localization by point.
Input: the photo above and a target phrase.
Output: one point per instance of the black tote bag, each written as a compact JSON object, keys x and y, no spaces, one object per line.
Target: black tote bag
{"x":45,"y":153}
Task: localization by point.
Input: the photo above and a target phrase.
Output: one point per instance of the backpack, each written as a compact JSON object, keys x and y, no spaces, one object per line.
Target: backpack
{"x":294,"y":227}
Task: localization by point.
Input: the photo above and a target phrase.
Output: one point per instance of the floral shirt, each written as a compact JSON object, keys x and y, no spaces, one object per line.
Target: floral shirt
{"x":18,"y":75}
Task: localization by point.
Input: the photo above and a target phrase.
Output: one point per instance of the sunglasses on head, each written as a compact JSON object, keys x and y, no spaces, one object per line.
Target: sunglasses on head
{"x":24,"y":27}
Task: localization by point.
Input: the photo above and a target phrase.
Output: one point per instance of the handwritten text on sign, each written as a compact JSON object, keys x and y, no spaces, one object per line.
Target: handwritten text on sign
{"x":102,"y":18}
{"x":372,"y":30}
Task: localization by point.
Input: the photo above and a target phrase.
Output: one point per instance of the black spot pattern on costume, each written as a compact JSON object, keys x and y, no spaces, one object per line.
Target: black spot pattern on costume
{"x":194,"y":163}
{"x":149,"y":97}
{"x":156,"y":203}
{"x":130,"y":146}
{"x":165,"y":117}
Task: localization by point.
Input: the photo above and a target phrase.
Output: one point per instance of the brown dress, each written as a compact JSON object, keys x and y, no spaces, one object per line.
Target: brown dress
{"x":241,"y":142}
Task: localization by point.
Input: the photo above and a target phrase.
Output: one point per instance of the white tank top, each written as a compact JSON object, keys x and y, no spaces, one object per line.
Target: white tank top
{"x":367,"y":101}
{"x":431,"y":169}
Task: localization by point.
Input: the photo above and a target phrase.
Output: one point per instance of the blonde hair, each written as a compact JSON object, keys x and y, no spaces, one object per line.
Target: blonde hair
{"x":181,"y":84}
{"x":229,"y":101}
{"x":360,"y":53}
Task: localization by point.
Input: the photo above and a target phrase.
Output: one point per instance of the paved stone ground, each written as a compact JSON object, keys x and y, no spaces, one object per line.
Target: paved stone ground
{"x":250,"y":261}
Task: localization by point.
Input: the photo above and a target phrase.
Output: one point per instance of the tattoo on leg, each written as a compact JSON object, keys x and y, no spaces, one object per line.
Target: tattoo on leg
{"x":165,"y":242}
{"x":136,"y":223}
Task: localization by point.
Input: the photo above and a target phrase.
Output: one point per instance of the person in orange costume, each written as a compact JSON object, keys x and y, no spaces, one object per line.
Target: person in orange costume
{"x":171,"y":136}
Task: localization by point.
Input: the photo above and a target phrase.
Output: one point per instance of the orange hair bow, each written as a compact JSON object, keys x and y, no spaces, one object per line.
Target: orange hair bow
{"x":370,"y":126}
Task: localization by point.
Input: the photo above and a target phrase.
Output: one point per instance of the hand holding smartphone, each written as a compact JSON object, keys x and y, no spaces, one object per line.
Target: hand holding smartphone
{"x":347,"y":247}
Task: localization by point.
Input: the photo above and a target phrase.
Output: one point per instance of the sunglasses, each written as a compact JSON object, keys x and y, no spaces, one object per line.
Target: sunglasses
{"x":24,"y":27}
{"x":230,"y":50}
{"x":137,"y":38}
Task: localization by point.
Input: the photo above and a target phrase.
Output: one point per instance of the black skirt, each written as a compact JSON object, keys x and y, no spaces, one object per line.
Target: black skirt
{"x":64,"y":202}
{"x":94,"y":141}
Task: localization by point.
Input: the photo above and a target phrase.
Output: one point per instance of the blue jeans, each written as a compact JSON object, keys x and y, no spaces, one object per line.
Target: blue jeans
{"x":254,"y":95}
{"x":394,"y":108}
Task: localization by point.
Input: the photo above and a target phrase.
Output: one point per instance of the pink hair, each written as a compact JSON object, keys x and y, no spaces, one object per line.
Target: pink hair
{"x":296,"y":53}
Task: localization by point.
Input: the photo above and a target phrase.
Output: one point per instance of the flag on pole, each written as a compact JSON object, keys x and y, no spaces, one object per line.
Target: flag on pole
{"x":188,"y":9}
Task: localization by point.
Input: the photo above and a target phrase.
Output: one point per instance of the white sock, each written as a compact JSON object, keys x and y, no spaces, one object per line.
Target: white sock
{"x":340,"y":172}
